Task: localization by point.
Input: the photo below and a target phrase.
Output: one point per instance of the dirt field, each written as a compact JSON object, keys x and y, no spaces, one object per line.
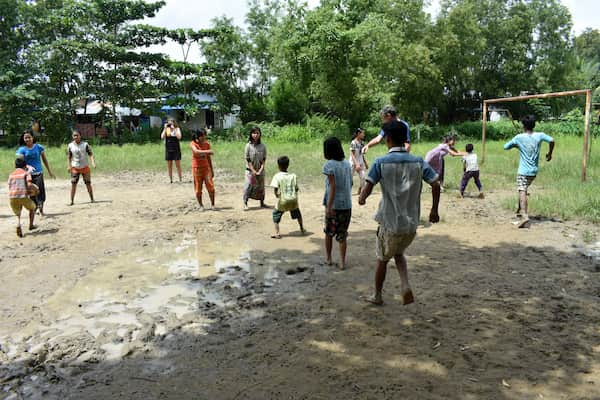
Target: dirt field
{"x":141,"y":296}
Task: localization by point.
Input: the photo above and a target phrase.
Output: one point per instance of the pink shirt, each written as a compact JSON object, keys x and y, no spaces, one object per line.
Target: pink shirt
{"x":435,"y":156}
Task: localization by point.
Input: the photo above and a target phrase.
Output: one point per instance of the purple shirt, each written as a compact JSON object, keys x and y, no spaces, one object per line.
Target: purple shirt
{"x":435,"y":156}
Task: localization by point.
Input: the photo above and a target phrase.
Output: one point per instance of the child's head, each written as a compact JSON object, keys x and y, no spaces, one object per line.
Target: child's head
{"x":199,"y":135}
{"x":76,"y":136}
{"x":469,"y":148}
{"x":396,"y":133}
{"x":332,"y":149}
{"x":283,"y":163}
{"x":255,"y":135}
{"x":359,"y":134}
{"x":528,"y":122}
{"x":449,"y":139}
{"x":20,"y":162}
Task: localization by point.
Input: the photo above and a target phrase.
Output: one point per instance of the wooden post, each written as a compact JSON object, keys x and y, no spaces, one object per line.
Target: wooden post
{"x":483,"y":126}
{"x":586,"y":134}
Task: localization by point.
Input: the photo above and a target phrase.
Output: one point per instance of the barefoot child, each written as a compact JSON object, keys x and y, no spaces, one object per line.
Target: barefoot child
{"x":78,"y":153}
{"x":202,"y":168}
{"x":357,"y":158}
{"x":19,"y":182}
{"x":337,"y":199}
{"x":435,"y":156}
{"x":286,"y":190}
{"x":470,"y":170}
{"x":400,"y":175}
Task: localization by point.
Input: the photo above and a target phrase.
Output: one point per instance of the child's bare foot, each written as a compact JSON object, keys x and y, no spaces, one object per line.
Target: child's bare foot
{"x":407,"y":297}
{"x":524,"y":222}
{"x":375,"y":300}
{"x":481,"y":196}
{"x":32,"y":227}
{"x":329,"y":262}
{"x":276,"y":236}
{"x":19,"y":231}
{"x":342,"y":266}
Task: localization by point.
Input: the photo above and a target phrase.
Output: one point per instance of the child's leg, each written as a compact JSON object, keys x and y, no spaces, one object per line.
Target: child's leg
{"x":90,"y":191}
{"x":210,"y":188}
{"x":73,"y":190}
{"x":31,"y":217}
{"x":343,"y":246}
{"x":463,"y":182}
{"x":401,"y":265}
{"x":301,"y":225}
{"x":197,"y":185}
{"x":277,"y":234}
{"x":328,"y":246}
{"x":380,"y":272}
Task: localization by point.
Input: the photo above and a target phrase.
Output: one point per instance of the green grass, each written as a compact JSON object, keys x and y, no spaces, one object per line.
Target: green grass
{"x":556,"y":192}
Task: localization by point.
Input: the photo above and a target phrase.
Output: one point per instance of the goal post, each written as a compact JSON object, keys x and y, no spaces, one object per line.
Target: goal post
{"x":586,"y":124}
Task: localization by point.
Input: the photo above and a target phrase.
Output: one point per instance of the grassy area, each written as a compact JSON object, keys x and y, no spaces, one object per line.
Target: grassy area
{"x":557,"y":191}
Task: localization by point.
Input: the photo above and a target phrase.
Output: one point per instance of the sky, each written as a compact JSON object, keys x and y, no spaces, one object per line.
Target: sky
{"x":197,"y":14}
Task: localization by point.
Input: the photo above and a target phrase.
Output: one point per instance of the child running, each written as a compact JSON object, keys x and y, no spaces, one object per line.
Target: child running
{"x":19,"y":181}
{"x":286,"y":190}
{"x":435,"y":156}
{"x":337,"y":199}
{"x":400,"y":175}
{"x":470,"y":170}
{"x":357,"y":158}
{"x":78,"y":153}
{"x":202,"y":168}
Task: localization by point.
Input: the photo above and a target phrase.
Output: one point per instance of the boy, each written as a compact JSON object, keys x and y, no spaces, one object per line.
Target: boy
{"x":19,"y":181}
{"x":470,"y":170}
{"x":78,"y":153}
{"x":400,"y":174}
{"x":357,"y":158}
{"x":286,"y":190}
{"x":529,"y":144}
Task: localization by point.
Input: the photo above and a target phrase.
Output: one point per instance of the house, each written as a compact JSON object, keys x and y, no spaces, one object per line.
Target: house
{"x":206,"y":116}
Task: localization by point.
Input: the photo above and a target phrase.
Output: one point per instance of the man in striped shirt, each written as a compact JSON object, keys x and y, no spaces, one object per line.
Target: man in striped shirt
{"x":18,"y":181}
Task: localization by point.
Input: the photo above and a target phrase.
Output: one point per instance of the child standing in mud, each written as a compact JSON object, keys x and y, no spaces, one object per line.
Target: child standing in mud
{"x":202,"y":168}
{"x":400,"y":175}
{"x":337,"y":199}
{"x":286,"y":191}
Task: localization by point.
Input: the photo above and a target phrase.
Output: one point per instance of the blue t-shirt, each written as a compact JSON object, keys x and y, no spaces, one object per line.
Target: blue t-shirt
{"x":529,"y":145}
{"x":342,"y":173}
{"x":33,"y":156}
{"x":382,"y":133}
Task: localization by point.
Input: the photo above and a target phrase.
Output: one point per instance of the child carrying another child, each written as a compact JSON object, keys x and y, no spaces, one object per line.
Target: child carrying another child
{"x":357,"y":158}
{"x":400,"y":175}
{"x":202,"y":168}
{"x":470,"y":170}
{"x":286,"y":190}
{"x":19,"y":182}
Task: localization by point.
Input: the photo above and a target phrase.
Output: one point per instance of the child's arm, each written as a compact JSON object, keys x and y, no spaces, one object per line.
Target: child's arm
{"x":366,"y":163}
{"x":365,"y":192}
{"x":354,"y":160}
{"x":91,"y":155}
{"x":276,"y":192}
{"x":329,"y":207}
{"x":69,"y":156}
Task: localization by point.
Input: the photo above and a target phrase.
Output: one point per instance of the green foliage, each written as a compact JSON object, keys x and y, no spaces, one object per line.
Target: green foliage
{"x":287,"y":103}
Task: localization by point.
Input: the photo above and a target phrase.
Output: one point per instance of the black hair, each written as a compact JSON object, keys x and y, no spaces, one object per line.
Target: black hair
{"x":283,"y":162}
{"x":469,"y":147}
{"x":26,"y":132}
{"x":356,"y":132}
{"x":332,"y":149}
{"x":388,"y":110}
{"x":397,"y":132}
{"x":20,"y":162}
{"x":254,"y":129}
{"x":196,"y":133}
{"x":528,"y":122}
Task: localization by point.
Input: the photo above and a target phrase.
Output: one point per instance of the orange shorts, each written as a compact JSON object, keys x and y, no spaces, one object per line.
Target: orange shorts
{"x":76,"y":172}
{"x":202,"y":175}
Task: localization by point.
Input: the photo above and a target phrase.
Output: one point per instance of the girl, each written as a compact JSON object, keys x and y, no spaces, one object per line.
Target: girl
{"x":435,"y":156}
{"x":172,"y":135}
{"x":337,"y":199}
{"x":35,"y":155}
{"x":256,"y":156}
{"x":357,"y":158}
{"x":202,"y":169}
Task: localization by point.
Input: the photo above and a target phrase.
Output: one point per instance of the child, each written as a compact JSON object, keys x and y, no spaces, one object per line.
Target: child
{"x":400,"y":175}
{"x":77,"y":157}
{"x":19,"y":182}
{"x":357,"y":158}
{"x":529,"y":144}
{"x":435,"y":156}
{"x":286,"y":190}
{"x":202,"y":168}
{"x":337,"y":199}
{"x":471,"y":170}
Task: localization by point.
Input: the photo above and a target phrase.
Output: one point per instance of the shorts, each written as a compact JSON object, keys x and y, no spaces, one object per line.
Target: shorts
{"x":202,"y":175}
{"x":278,"y":214}
{"x":390,"y":244}
{"x":338,"y":224}
{"x":523,"y":182}
{"x":18,"y":204}
{"x":85,"y":171}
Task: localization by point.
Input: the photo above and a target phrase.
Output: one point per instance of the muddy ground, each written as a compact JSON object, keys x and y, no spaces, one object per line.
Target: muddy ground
{"x":141,"y":296}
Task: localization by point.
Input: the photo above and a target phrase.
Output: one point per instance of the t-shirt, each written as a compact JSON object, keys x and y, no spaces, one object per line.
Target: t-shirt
{"x":200,"y":160}
{"x":470,"y":161}
{"x":17,"y":183}
{"x":79,"y":154}
{"x":434,"y":157}
{"x":287,"y":189}
{"x":342,"y":173}
{"x":356,"y":147}
{"x":256,"y":154}
{"x":529,"y":145}
{"x":382,"y":132}
{"x":33,"y":156}
{"x":400,"y":175}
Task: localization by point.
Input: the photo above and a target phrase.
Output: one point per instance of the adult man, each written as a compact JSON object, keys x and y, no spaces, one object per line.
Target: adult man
{"x":388,"y":113}
{"x":529,"y":144}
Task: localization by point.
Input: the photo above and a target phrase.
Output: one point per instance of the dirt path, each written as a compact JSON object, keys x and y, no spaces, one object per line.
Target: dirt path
{"x":141,"y":296}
